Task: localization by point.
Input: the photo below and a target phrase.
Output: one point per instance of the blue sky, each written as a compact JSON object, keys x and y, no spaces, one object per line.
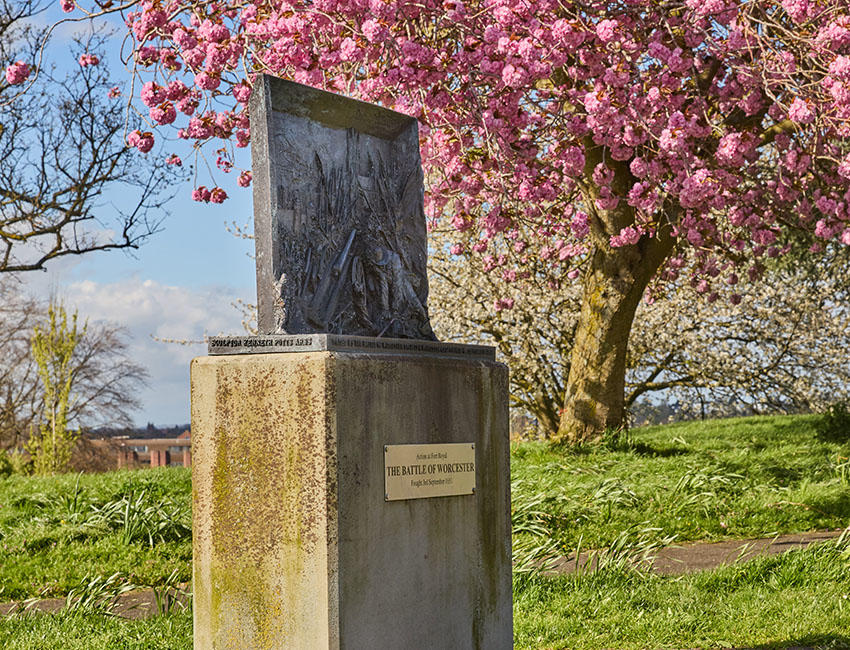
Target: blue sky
{"x":179,"y":285}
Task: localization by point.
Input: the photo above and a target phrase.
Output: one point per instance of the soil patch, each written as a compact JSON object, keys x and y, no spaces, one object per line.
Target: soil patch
{"x":137,"y":604}
{"x":700,"y":556}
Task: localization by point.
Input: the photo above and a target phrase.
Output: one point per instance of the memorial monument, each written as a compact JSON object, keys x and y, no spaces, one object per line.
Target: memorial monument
{"x":350,"y":473}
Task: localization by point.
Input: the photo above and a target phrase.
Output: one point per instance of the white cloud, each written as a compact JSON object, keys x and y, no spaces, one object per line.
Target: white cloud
{"x":150,"y":309}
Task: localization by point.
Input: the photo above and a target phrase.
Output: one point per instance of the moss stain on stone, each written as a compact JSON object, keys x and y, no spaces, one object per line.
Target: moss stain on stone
{"x":267,"y":479}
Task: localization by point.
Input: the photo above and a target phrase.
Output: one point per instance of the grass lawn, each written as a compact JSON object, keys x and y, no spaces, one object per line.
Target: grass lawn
{"x":792,"y":600}
{"x":56,"y":532}
{"x":93,"y":631}
{"x":735,"y":478}
{"x":739,"y":478}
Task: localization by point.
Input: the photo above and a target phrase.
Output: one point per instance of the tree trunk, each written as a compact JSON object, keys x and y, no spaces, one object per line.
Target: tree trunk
{"x":613,"y":286}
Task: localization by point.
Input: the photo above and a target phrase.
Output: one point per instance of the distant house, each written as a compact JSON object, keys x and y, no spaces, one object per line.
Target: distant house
{"x":155,"y":452}
{"x":126,"y":452}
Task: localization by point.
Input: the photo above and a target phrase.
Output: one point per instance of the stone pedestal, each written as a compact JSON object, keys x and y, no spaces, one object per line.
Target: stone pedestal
{"x":295,"y":544}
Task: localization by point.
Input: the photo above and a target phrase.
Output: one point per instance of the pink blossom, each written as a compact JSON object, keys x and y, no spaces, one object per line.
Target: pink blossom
{"x":17,"y":73}
{"x":706,"y":7}
{"x":243,"y":137}
{"x":495,"y":221}
{"x":480,"y":246}
{"x":845,"y":237}
{"x":201,"y":194}
{"x":184,"y":39}
{"x":580,"y":225}
{"x":374,"y":31}
{"x":840,"y":68}
{"x":152,"y":94}
{"x":509,"y":275}
{"x":194,"y":57}
{"x":822,"y":229}
{"x":145,"y":142}
{"x":731,"y":150}
{"x":461,"y":223}
{"x":844,"y":167}
{"x":88,"y":59}
{"x":207,"y":81}
{"x":573,"y":161}
{"x":174,"y":159}
{"x":639,"y":167}
{"x":799,"y":10}
{"x":168,"y":58}
{"x":114,"y":92}
{"x":211,"y":31}
{"x":142,"y":141}
{"x":457,"y":249}
{"x":348,"y":49}
{"x":514,"y":76}
{"x":503,"y":303}
{"x":223,"y":163}
{"x":607,"y":200}
{"x":627,"y":236}
{"x":147,"y":55}
{"x":187,"y":105}
{"x":67,"y":5}
{"x":175,"y":90}
{"x":800,"y":112}
{"x":217,"y":195}
{"x":164,"y":113}
{"x":606,"y":30}
{"x":242,"y":92}
{"x":244,"y":179}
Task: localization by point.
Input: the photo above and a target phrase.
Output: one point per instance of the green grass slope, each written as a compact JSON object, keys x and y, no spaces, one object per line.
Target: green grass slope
{"x":57,"y":531}
{"x":735,"y":478}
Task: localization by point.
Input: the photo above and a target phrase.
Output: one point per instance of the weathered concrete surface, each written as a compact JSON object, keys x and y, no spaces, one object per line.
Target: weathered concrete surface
{"x":295,"y":546}
{"x":261,"y":521}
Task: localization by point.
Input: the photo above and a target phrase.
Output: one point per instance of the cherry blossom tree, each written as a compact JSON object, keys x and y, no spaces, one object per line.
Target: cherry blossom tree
{"x":625,"y":136}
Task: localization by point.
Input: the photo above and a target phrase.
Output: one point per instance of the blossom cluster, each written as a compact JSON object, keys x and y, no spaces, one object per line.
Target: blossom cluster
{"x":86,"y":59}
{"x":205,"y":195}
{"x":782,"y":348}
{"x":17,"y":73}
{"x":143,"y":141}
{"x":725,"y":123}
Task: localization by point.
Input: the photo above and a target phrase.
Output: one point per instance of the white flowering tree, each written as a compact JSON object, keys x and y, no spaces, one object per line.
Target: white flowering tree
{"x":778,"y":346}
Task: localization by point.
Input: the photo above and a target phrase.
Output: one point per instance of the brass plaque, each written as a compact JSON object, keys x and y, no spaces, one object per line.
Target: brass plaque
{"x":421,"y":471}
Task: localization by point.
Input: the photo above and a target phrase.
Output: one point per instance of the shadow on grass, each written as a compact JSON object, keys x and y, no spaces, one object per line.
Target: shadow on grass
{"x":642,"y":449}
{"x":837,"y":505}
{"x":782,"y":474}
{"x":624,"y":447}
{"x":808,"y":642}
